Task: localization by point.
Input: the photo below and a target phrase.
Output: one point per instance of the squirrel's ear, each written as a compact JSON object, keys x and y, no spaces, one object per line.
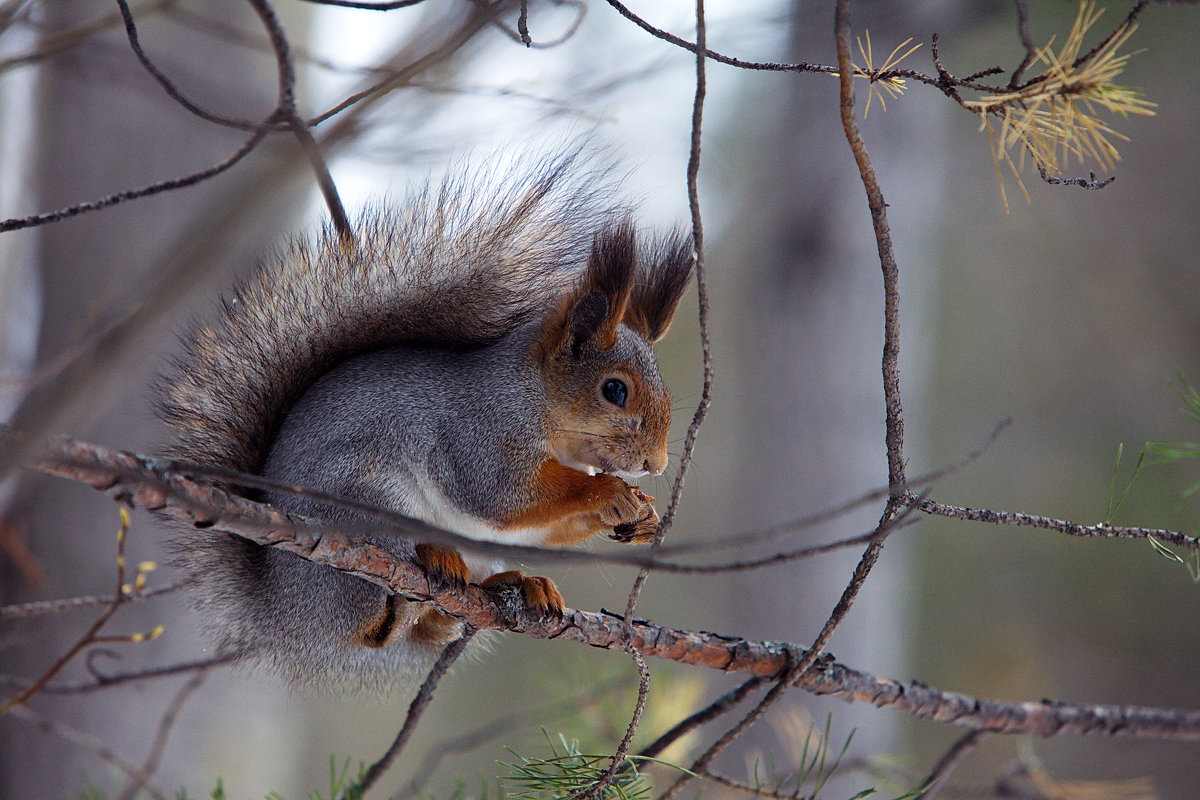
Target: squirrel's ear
{"x":660,"y":285}
{"x":589,"y":315}
{"x":594,"y":310}
{"x":580,"y":318}
{"x":610,"y":274}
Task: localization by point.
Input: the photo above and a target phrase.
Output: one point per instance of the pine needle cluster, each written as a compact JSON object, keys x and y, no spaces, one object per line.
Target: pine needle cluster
{"x":1056,"y":115}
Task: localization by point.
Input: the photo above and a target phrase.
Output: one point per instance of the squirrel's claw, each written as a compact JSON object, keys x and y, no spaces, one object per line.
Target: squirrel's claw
{"x":640,"y":532}
{"x":444,"y":565}
{"x":540,"y":594}
{"x":623,"y":505}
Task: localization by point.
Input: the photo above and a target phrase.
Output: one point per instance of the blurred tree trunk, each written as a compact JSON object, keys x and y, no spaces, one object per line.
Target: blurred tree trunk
{"x":102,"y":125}
{"x":808,"y":335}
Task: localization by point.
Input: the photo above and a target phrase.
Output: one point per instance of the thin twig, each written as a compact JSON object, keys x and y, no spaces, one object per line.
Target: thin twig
{"x":286,"y":109}
{"x":89,"y":636}
{"x":102,"y":681}
{"x":1125,"y":23}
{"x":415,"y":710}
{"x":168,"y":86}
{"x":138,"y":782}
{"x":716,"y":708}
{"x":617,"y":762}
{"x":1067,"y":527}
{"x":522,"y":36}
{"x":134,"y":194}
{"x":1026,"y":42}
{"x":740,"y":540}
{"x":76,"y":603}
{"x":894,"y":422}
{"x":694,"y":47}
{"x":1091,"y":183}
{"x":961,"y":748}
{"x":93,"y":744}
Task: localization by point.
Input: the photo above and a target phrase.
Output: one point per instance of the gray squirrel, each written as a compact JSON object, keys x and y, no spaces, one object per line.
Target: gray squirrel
{"x":481,"y":359}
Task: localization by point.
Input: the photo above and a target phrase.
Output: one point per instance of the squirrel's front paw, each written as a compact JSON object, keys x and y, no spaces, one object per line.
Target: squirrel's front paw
{"x":541,"y":595}
{"x":641,"y":531}
{"x":445,"y":566}
{"x":621,"y":504}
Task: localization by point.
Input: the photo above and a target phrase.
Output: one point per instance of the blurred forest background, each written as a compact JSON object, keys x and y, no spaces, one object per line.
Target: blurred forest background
{"x":1070,"y":314}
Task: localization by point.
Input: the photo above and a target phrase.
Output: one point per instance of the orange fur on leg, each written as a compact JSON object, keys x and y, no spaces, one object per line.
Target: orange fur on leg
{"x":444,"y":565}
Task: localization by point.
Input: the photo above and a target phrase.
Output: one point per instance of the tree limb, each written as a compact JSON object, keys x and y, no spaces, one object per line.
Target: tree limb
{"x":146,"y":483}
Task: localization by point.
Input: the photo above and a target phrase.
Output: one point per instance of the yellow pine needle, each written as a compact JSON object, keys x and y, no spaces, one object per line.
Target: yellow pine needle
{"x":893,"y":86}
{"x":1055,"y":116}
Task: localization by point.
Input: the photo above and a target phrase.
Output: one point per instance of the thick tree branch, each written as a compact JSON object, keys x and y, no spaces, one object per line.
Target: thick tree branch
{"x":144,"y":482}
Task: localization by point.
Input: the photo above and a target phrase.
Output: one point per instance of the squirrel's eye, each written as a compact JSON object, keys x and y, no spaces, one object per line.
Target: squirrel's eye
{"x":615,"y":391}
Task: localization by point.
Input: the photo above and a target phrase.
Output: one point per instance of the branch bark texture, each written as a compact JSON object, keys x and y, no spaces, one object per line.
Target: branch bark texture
{"x":151,"y":484}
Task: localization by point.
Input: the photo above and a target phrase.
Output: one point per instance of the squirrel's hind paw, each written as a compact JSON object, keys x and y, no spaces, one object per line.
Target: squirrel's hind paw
{"x":444,"y":565}
{"x":540,"y":594}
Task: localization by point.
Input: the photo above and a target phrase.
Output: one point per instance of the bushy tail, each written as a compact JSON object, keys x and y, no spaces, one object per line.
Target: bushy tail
{"x":462,"y":263}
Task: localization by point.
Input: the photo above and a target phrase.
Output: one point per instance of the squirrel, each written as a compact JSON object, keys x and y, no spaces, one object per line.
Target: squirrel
{"x":481,"y":359}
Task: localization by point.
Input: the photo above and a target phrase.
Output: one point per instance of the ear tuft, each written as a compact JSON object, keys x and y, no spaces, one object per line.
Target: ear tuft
{"x":661,"y":282}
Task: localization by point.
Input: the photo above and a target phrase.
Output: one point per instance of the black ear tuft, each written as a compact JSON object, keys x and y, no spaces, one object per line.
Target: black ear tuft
{"x":661,"y":282}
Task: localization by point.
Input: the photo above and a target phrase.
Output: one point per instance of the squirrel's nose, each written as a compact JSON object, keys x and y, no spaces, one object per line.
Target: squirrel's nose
{"x":654,"y":469}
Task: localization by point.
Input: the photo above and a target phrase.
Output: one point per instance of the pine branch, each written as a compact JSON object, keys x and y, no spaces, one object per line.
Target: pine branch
{"x":146,"y":482}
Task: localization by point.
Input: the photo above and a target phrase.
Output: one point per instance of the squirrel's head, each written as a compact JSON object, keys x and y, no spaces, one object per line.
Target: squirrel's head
{"x":608,"y":408}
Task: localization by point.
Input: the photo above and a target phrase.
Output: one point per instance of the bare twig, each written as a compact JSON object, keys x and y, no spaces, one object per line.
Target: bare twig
{"x":693,"y":47}
{"x":89,"y":637}
{"x":168,"y":86}
{"x":93,"y":744}
{"x":1067,"y":527}
{"x":286,"y":109}
{"x":716,"y":708}
{"x":961,"y":748}
{"x":1091,"y":183}
{"x":1026,"y":42}
{"x":102,"y":681}
{"x":894,"y":436}
{"x":521,"y":34}
{"x":134,"y":194}
{"x":617,"y":762}
{"x":415,"y":710}
{"x":75,"y":603}
{"x":139,"y":781}
{"x":740,"y":540}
